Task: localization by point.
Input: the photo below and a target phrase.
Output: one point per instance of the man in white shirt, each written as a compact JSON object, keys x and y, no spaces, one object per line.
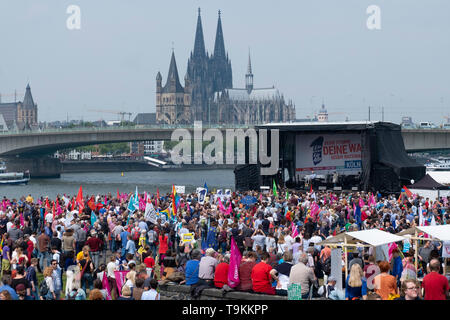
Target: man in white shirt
{"x":289,"y":240}
{"x":151,"y":294}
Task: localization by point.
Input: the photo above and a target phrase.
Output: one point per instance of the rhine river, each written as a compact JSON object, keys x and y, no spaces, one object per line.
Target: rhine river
{"x":105,"y":182}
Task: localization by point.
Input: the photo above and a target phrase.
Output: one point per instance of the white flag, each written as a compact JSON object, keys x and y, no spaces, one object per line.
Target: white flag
{"x":150,"y":212}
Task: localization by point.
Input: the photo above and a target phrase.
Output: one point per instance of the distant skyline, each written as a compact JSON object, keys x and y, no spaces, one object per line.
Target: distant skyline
{"x":311,"y":51}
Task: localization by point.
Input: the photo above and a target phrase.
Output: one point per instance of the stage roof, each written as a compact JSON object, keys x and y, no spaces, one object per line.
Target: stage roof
{"x":329,"y":126}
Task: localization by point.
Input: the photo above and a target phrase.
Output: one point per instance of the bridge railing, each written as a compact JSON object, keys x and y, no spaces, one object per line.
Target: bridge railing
{"x":121,"y":128}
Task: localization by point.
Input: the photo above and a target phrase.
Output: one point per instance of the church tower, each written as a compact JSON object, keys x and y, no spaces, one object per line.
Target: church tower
{"x":172,"y":100}
{"x":199,"y":75}
{"x":220,"y":64}
{"x":249,"y":76}
{"x":27,"y":110}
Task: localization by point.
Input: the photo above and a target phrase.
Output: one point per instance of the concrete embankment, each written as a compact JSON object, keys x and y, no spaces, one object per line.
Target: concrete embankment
{"x":129,"y":165}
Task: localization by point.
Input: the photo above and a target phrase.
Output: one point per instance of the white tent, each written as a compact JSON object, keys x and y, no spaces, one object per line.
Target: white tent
{"x":441,"y":232}
{"x":375,"y":237}
{"x":371,"y":238}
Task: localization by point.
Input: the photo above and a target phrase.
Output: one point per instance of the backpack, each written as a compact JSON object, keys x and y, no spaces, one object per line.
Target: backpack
{"x":43,"y":288}
{"x":326,"y":266}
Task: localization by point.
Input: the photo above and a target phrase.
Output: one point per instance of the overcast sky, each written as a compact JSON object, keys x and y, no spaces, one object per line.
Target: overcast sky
{"x":310,"y":50}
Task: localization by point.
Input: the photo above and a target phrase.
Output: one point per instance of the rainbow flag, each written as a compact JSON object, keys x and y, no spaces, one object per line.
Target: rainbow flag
{"x":175,"y":201}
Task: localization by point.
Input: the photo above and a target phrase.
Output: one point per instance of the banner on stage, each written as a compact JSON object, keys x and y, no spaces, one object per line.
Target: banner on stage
{"x":326,"y":153}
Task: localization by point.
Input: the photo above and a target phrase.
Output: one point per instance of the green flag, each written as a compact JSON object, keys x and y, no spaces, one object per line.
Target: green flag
{"x":274,"y":189}
{"x":287,"y":194}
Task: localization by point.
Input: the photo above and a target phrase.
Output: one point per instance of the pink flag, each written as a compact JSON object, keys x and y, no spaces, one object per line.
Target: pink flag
{"x":392,"y":246}
{"x":294,"y":231}
{"x":372,"y":201}
{"x":314,"y":209}
{"x":120,"y":279}
{"x":22,"y":221}
{"x":230,"y":209}
{"x":235,"y":261}
{"x":105,"y":285}
{"x":333,"y":198}
{"x":348,"y":212}
{"x":221,"y":207}
{"x":361,"y":203}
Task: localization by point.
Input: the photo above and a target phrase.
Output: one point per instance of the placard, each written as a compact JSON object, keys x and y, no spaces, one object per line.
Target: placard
{"x":187,"y":237}
{"x":446,"y":249}
{"x":180,"y":189}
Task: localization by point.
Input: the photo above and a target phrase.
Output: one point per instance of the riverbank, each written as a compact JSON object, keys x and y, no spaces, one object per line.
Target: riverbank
{"x":130,"y":166}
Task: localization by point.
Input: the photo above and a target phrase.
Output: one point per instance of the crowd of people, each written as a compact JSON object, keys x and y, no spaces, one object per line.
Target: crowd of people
{"x":75,"y":249}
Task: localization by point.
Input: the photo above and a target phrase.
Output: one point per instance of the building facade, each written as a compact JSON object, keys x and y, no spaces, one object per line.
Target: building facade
{"x":251,"y":105}
{"x":20,"y":115}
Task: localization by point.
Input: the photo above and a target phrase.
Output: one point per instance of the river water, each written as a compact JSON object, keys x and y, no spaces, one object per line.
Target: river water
{"x":104,"y":182}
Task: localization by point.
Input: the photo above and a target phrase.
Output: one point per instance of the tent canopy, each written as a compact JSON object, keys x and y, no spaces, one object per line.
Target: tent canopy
{"x":427,"y":183}
{"x":373,"y":237}
{"x":441,"y":232}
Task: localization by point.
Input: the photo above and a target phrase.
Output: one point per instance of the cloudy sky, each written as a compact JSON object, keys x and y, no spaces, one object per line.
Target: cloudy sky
{"x":310,"y":50}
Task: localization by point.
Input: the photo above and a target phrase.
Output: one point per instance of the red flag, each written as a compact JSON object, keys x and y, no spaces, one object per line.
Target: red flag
{"x":91,"y":203}
{"x":310,"y":189}
{"x":408,"y":192}
{"x":80,"y":200}
{"x":118,"y":195}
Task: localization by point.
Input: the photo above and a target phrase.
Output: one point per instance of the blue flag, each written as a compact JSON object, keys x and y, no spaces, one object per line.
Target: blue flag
{"x":206,"y":187}
{"x":93,"y":218}
{"x":133,"y":204}
{"x":358,"y":216}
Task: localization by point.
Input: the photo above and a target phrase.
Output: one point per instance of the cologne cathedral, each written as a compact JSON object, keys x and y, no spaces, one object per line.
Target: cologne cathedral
{"x":208,"y":94}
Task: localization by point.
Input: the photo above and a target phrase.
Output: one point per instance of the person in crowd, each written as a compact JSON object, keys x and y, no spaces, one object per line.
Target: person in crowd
{"x":221,"y":272}
{"x":152,"y":293}
{"x":434,"y":284}
{"x":96,"y":294}
{"x":385,"y":285}
{"x":329,"y":290}
{"x":303,"y":275}
{"x":262,"y":276}
{"x":125,"y":294}
{"x":192,"y":268}
{"x":207,"y":267}
{"x":283,"y":272}
{"x":355,"y":284}
{"x":410,"y":290}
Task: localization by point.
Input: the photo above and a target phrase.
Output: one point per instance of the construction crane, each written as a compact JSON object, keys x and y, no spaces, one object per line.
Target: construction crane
{"x":120,"y":113}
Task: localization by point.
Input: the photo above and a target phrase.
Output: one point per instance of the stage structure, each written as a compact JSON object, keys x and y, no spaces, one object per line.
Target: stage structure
{"x":351,"y":155}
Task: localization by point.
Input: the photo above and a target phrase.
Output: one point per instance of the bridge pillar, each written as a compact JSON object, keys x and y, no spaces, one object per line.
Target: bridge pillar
{"x":39,"y":167}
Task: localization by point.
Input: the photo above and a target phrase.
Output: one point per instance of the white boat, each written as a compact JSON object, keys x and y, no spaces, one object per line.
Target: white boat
{"x":441,"y":164}
{"x":13,"y":177}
